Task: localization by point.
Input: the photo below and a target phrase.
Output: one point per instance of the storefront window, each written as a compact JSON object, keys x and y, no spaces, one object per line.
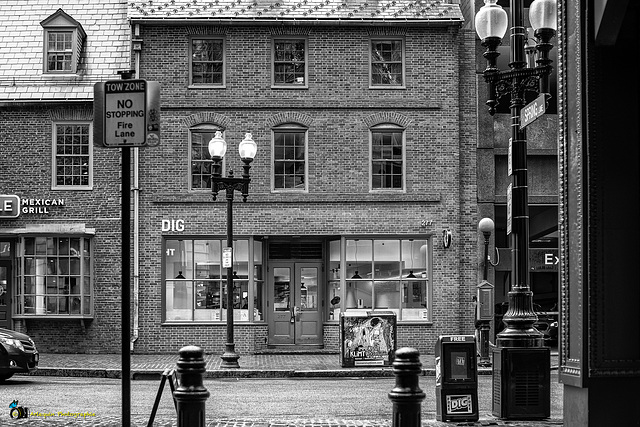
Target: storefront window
{"x":196,"y":281}
{"x":380,"y":274}
{"x":54,"y":277}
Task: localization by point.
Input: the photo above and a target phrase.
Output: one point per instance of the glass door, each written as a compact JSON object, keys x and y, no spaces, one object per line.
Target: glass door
{"x":296,"y":316}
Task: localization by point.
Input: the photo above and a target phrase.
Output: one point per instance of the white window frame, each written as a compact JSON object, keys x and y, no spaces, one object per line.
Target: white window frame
{"x":40,"y":291}
{"x":394,"y":128}
{"x":275,"y":85}
{"x":221,"y":85}
{"x":54,"y":145}
{"x":202,"y":128}
{"x":404,"y":67}
{"x":290,"y":128}
{"x":340,"y":276}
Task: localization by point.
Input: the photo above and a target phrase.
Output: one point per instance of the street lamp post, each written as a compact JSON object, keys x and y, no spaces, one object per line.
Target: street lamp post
{"x":491,"y":24}
{"x":483,"y":313}
{"x":217,"y":150}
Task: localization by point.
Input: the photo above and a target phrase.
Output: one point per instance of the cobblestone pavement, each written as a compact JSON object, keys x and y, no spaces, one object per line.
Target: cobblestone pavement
{"x":139,"y":421}
{"x":260,"y":365}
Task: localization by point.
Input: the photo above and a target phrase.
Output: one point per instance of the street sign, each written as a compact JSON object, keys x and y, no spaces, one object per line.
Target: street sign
{"x":126,"y":113}
{"x":510,"y":158}
{"x":227,"y":257}
{"x":532,"y":111}
{"x":509,"y":207}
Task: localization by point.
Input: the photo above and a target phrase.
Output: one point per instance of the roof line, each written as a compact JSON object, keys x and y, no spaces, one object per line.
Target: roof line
{"x":300,"y":22}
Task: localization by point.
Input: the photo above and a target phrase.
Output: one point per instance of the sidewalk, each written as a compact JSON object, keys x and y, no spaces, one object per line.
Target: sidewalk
{"x":273,"y":365}
{"x":270,"y":365}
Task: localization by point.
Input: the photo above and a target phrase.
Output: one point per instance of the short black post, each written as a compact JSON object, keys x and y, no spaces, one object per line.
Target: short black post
{"x":191,"y":395}
{"x":407,"y":395}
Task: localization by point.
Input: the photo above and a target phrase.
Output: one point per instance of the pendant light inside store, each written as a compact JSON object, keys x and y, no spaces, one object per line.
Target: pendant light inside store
{"x":356,"y":276}
{"x":411,"y":275}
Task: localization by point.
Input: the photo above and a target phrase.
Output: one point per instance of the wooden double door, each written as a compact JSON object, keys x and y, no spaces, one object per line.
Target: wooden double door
{"x":295,"y":303}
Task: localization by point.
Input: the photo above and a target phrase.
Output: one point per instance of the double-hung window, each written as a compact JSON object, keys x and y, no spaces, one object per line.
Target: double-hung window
{"x":63,"y":41}
{"x":72,"y":156}
{"x":200,"y":166}
{"x":207,"y":62}
{"x":387,"y":157}
{"x":290,"y":158}
{"x":289,"y":63}
{"x":387,"y":63}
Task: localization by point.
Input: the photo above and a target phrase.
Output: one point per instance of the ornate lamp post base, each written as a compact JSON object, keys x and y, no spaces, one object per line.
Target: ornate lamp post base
{"x":230,"y":357}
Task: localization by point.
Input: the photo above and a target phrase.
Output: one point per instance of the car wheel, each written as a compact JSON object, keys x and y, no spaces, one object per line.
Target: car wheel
{"x":4,"y":377}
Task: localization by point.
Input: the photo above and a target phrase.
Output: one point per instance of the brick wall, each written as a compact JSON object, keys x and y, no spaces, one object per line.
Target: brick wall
{"x":338,"y":108}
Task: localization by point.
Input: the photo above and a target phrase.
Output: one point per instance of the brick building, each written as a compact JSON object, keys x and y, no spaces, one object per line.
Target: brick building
{"x":363,"y":191}
{"x":59,"y":222}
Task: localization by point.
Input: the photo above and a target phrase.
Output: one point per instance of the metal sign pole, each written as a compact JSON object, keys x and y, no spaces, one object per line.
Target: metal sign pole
{"x":126,"y":297}
{"x":125,"y":191}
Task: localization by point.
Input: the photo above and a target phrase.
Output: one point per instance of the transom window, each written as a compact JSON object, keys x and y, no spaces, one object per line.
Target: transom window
{"x":73,"y":156}
{"x":200,"y":175}
{"x":387,"y":157}
{"x":387,"y":273}
{"x":387,"y":62}
{"x":54,"y":277}
{"x":290,"y":62}
{"x":290,"y":158}
{"x":207,"y":61}
{"x":195,"y":286}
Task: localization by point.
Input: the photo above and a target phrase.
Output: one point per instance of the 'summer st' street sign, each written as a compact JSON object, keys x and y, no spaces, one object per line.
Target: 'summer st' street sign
{"x":532,"y":111}
{"x":126,"y":113}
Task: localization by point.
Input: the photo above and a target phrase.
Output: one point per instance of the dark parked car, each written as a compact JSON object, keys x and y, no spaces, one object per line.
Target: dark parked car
{"x":18,"y":354}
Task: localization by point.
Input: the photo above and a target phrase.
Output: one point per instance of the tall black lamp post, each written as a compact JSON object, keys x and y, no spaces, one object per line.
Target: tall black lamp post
{"x":519,"y":333}
{"x":217,"y":150}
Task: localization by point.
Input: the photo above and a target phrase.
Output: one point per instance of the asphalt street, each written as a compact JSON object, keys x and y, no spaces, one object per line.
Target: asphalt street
{"x":234,"y":402}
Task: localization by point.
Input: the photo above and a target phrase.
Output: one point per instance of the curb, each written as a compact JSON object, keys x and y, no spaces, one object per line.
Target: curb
{"x":155,"y":374}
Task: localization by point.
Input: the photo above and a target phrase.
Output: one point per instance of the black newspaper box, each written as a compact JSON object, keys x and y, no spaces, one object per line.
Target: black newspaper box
{"x":456,"y":378}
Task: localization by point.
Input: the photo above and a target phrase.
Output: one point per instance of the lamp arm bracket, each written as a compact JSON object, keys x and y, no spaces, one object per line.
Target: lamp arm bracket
{"x":516,"y":82}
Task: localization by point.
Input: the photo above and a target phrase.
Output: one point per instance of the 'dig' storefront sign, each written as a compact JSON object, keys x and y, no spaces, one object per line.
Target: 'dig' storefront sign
{"x":126,"y":113}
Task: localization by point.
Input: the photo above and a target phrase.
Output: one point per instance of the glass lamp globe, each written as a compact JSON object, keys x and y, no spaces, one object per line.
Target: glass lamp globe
{"x":542,"y":14}
{"x":491,"y":20}
{"x":248,"y":147}
{"x":486,"y":225}
{"x":217,"y":146}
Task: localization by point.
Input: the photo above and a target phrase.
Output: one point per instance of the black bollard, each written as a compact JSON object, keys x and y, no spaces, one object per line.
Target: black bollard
{"x":407,"y":395}
{"x":191,"y":395}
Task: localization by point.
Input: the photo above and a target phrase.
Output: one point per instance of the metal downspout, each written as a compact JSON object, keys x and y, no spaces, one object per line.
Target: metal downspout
{"x":136,"y":223}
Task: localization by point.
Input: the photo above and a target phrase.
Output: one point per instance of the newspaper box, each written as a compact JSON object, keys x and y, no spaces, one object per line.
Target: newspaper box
{"x":456,"y":378}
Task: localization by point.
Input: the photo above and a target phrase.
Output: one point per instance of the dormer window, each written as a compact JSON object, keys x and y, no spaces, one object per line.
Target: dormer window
{"x":63,"y":41}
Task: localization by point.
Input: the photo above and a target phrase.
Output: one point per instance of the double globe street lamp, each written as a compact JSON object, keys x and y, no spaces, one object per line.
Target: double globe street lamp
{"x":521,"y":78}
{"x":217,"y":150}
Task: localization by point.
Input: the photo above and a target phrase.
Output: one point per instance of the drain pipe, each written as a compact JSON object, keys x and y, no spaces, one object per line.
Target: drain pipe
{"x":137,"y":47}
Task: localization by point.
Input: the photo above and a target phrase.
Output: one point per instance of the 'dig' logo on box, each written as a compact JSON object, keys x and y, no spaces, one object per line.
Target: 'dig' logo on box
{"x":459,"y":404}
